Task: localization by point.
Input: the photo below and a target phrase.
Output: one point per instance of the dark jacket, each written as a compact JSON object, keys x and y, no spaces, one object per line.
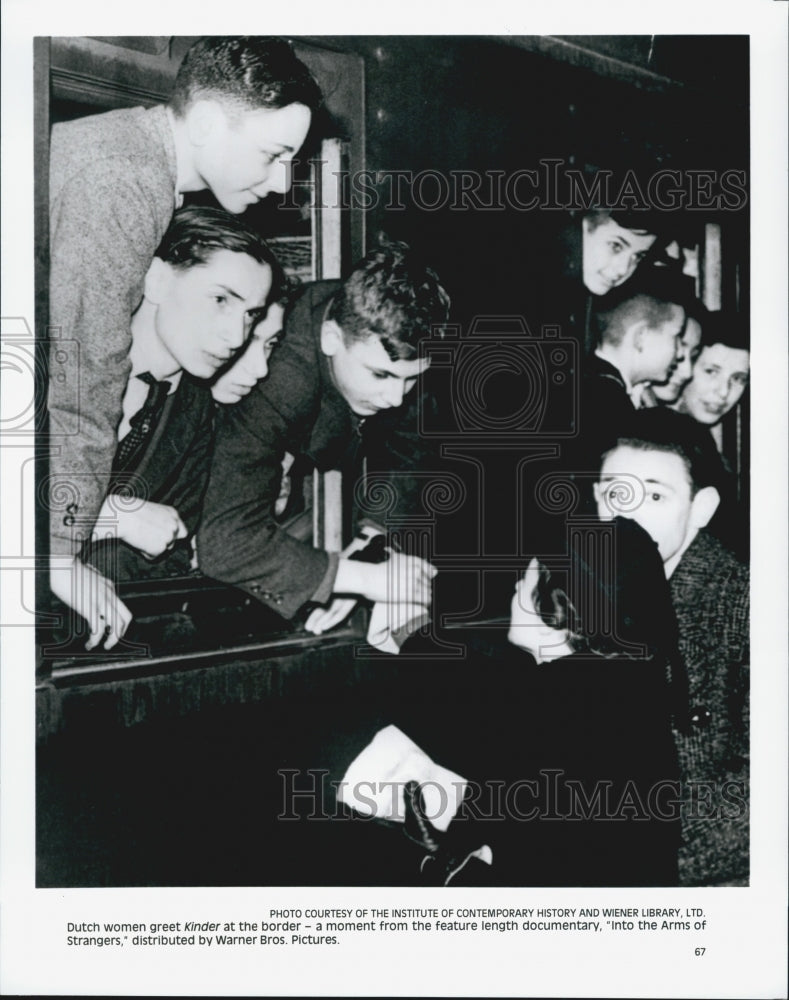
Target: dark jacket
{"x":172,"y":469}
{"x":606,"y":408}
{"x":297,"y":409}
{"x":604,"y":412}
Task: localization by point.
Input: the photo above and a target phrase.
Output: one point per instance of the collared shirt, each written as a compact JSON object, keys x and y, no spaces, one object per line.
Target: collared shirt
{"x":134,"y":397}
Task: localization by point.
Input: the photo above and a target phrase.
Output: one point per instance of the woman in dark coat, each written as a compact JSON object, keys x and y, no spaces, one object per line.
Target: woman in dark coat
{"x":564,"y":728}
{"x":558,"y":716}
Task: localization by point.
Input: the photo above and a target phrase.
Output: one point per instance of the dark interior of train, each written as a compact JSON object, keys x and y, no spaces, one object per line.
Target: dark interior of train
{"x":169,"y":760}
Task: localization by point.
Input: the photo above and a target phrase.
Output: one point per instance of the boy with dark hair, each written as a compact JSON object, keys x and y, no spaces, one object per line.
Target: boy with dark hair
{"x":719,"y":379}
{"x":586,"y":260}
{"x":335,"y":391}
{"x":664,"y":474}
{"x":246,"y":71}
{"x":613,"y":245}
{"x":242,"y":109}
{"x":248,"y":368}
{"x":204,"y":288}
{"x":721,"y":372}
{"x":382,"y":297}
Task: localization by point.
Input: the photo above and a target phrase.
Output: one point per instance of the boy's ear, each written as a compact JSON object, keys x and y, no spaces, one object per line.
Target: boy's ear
{"x":704,"y":505}
{"x":157,"y":280}
{"x":331,"y":337}
{"x":638,"y":331}
{"x":202,"y":119}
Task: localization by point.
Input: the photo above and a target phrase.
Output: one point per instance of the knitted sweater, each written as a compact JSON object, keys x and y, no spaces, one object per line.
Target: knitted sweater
{"x":112,"y":195}
{"x":710,"y":591}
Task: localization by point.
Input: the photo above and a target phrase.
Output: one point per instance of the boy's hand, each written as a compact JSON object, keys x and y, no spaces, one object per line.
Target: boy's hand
{"x":151,"y":528}
{"x":91,"y":595}
{"x":322,"y":619}
{"x":401,"y":579}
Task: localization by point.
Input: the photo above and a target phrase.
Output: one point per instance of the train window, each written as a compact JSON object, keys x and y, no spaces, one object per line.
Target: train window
{"x":177,"y":612}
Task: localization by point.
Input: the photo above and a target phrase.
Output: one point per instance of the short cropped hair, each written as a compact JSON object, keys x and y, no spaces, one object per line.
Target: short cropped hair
{"x":663,"y":429}
{"x":245,"y":71}
{"x":614,"y":322}
{"x":197,"y":232}
{"x":394,"y":295}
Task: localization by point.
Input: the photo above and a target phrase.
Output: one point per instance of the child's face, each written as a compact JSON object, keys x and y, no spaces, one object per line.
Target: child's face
{"x":365,"y":375}
{"x":204,"y":313}
{"x":252,"y":365}
{"x":670,"y":391}
{"x":719,"y":379}
{"x":651,"y":487}
{"x":245,"y":156}
{"x":611,"y":254}
{"x":659,"y":347}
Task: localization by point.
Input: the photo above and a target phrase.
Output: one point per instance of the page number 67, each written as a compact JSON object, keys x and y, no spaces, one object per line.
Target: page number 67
{"x":699,"y":951}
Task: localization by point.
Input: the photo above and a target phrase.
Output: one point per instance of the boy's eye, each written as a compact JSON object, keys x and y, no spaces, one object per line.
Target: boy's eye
{"x":380,"y":375}
{"x":220,"y":299}
{"x":656,"y":497}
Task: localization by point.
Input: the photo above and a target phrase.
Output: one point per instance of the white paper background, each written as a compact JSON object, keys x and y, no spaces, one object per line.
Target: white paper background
{"x":746,"y":930}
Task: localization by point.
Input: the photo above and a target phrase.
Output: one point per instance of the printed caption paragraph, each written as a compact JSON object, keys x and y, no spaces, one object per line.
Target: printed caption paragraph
{"x":327,"y":926}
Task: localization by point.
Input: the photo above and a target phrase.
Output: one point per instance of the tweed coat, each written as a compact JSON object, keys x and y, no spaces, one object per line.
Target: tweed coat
{"x":709,"y":590}
{"x":112,"y":195}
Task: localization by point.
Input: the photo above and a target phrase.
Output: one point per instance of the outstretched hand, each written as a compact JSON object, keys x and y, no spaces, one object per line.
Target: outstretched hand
{"x":401,"y":579}
{"x":93,"y":597}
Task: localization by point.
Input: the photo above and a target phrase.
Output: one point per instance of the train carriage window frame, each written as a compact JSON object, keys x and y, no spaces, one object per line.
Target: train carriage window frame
{"x":191,"y":619}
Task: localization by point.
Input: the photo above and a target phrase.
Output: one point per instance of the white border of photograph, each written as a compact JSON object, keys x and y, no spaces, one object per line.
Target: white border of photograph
{"x":745,"y":933}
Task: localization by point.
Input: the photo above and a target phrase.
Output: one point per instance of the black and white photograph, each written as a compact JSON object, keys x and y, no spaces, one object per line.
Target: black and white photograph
{"x":389,"y":510}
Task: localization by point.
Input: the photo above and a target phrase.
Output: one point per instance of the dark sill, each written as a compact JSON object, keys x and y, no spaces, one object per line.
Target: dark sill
{"x":180,"y":624}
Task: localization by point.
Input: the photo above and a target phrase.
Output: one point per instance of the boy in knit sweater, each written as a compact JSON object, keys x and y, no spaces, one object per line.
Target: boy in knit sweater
{"x":663,"y":474}
{"x":240,"y":110}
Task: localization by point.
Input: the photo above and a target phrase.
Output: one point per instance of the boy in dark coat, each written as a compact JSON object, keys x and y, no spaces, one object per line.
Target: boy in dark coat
{"x":339,"y":389}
